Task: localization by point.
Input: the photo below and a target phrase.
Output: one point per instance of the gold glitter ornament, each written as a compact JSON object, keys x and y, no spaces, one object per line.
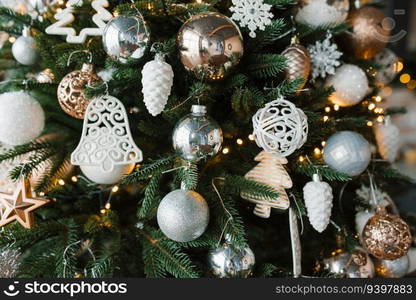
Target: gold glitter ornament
{"x":71,"y":90}
{"x":386,"y":236}
{"x":368,"y":35}
{"x":298,"y":62}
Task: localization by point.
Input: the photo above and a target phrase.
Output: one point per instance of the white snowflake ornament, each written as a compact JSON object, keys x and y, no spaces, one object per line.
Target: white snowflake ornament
{"x":254,"y":14}
{"x":325,"y":57}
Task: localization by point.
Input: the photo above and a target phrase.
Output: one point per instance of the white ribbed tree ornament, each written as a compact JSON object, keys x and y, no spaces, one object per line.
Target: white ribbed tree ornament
{"x":318,"y":200}
{"x":157,"y":81}
{"x":270,"y":171}
{"x":388,"y":138}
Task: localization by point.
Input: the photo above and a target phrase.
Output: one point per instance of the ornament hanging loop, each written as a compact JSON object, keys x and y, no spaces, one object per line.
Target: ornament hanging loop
{"x":68,"y":62}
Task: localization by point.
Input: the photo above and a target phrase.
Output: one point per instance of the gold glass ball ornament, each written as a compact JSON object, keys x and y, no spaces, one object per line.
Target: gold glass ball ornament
{"x":71,"y":90}
{"x":369,"y":33}
{"x":298,"y":62}
{"x":210,"y":45}
{"x":386,"y":236}
{"x":357,"y":264}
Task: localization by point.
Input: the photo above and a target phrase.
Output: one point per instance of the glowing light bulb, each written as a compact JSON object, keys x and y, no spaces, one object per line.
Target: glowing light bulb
{"x":239,"y":142}
{"x":225,"y":151}
{"x":115,"y":189}
{"x":61,"y":182}
{"x":107,"y":205}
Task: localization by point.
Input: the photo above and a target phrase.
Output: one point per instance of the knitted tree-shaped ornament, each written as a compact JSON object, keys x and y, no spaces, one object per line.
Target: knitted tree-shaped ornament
{"x":157,"y":81}
{"x":387,"y":137}
{"x":318,"y":200}
{"x":270,"y":171}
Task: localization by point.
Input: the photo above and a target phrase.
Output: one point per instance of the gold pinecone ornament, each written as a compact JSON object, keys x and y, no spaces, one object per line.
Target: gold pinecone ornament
{"x":71,"y":90}
{"x":386,"y":236}
{"x":298,"y":62}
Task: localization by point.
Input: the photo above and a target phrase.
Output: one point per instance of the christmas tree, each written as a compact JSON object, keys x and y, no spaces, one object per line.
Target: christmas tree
{"x":179,"y":98}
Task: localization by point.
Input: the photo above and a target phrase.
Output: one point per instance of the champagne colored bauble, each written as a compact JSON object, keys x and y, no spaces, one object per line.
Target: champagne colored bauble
{"x":386,"y":236}
{"x":347,"y":152}
{"x":24,"y":49}
{"x":298,"y":63}
{"x":230,"y":261}
{"x":210,"y":45}
{"x":196,"y":136}
{"x":71,"y":90}
{"x":350,"y":83}
{"x":22,"y":119}
{"x":396,"y":268}
{"x":126,"y":37}
{"x":357,"y":264}
{"x":361,"y":219}
{"x":97,"y":175}
{"x":321,"y":12}
{"x":369,"y":33}
{"x":183,"y":215}
{"x":388,"y":63}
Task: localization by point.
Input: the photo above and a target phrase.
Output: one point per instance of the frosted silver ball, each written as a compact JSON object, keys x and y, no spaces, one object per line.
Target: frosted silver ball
{"x":392,"y":268}
{"x":24,"y":50}
{"x":347,"y":152}
{"x":229,"y":261}
{"x":183,"y":215}
{"x":197,"y":136}
{"x":350,"y":265}
{"x":22,"y":119}
{"x":126,"y":37}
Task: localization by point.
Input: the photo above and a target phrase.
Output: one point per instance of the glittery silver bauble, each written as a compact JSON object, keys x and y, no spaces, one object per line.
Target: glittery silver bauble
{"x":9,"y":262}
{"x":210,"y":44}
{"x":197,"y":136}
{"x":126,"y":37}
{"x":229,"y":261}
{"x":392,"y":268}
{"x":183,"y":215}
{"x":388,"y":62}
{"x":24,"y":49}
{"x":357,"y":264}
{"x":347,"y":152}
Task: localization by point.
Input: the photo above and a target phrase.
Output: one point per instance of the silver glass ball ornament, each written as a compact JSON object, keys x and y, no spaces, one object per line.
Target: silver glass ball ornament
{"x":357,"y":264}
{"x":183,"y":215}
{"x":396,"y":268}
{"x":347,"y":152}
{"x":126,"y":37}
{"x":24,"y":49}
{"x":210,"y":45}
{"x":229,"y":261}
{"x":197,"y":136}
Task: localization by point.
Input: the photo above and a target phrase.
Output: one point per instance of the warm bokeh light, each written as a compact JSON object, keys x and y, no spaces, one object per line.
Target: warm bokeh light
{"x":405,"y":78}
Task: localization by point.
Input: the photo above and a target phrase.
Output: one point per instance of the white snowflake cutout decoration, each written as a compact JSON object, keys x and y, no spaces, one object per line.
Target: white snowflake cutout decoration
{"x":325,"y":57}
{"x":254,"y":14}
{"x":106,"y":139}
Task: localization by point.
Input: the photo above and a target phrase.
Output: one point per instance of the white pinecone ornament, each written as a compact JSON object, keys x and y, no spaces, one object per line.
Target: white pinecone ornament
{"x":157,"y":81}
{"x":388,"y":138}
{"x":318,"y":200}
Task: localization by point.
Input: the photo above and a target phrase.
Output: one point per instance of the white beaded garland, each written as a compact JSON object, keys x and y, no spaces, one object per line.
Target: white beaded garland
{"x":22,"y":119}
{"x":350,"y":84}
{"x":280,"y":127}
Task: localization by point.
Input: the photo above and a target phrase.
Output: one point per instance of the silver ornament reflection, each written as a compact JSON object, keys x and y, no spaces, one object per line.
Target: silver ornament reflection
{"x":210,"y":44}
{"x":197,"y":136}
{"x":229,"y":261}
{"x":183,"y":215}
{"x":392,"y":268}
{"x":347,"y":152}
{"x":24,"y":49}
{"x":126,"y":37}
{"x":347,"y":265}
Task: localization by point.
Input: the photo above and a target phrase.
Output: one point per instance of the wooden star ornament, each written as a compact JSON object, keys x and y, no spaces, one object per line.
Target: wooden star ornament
{"x":20,"y":205}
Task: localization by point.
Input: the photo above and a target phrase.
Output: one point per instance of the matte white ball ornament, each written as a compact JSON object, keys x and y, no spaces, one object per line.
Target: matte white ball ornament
{"x":97,"y":175}
{"x":183,"y":215}
{"x":24,"y":49}
{"x":347,"y":152}
{"x":22,"y":119}
{"x":350,"y":84}
{"x":280,"y":127}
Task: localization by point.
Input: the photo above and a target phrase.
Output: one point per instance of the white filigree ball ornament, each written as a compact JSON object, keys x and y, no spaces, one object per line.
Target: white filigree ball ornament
{"x":22,"y":119}
{"x":280,"y":127}
{"x":106,"y":139}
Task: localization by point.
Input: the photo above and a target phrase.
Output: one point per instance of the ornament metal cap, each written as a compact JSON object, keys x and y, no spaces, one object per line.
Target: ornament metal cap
{"x":26,"y":31}
{"x":199,"y":109}
{"x":89,"y":68}
{"x":316,"y":177}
